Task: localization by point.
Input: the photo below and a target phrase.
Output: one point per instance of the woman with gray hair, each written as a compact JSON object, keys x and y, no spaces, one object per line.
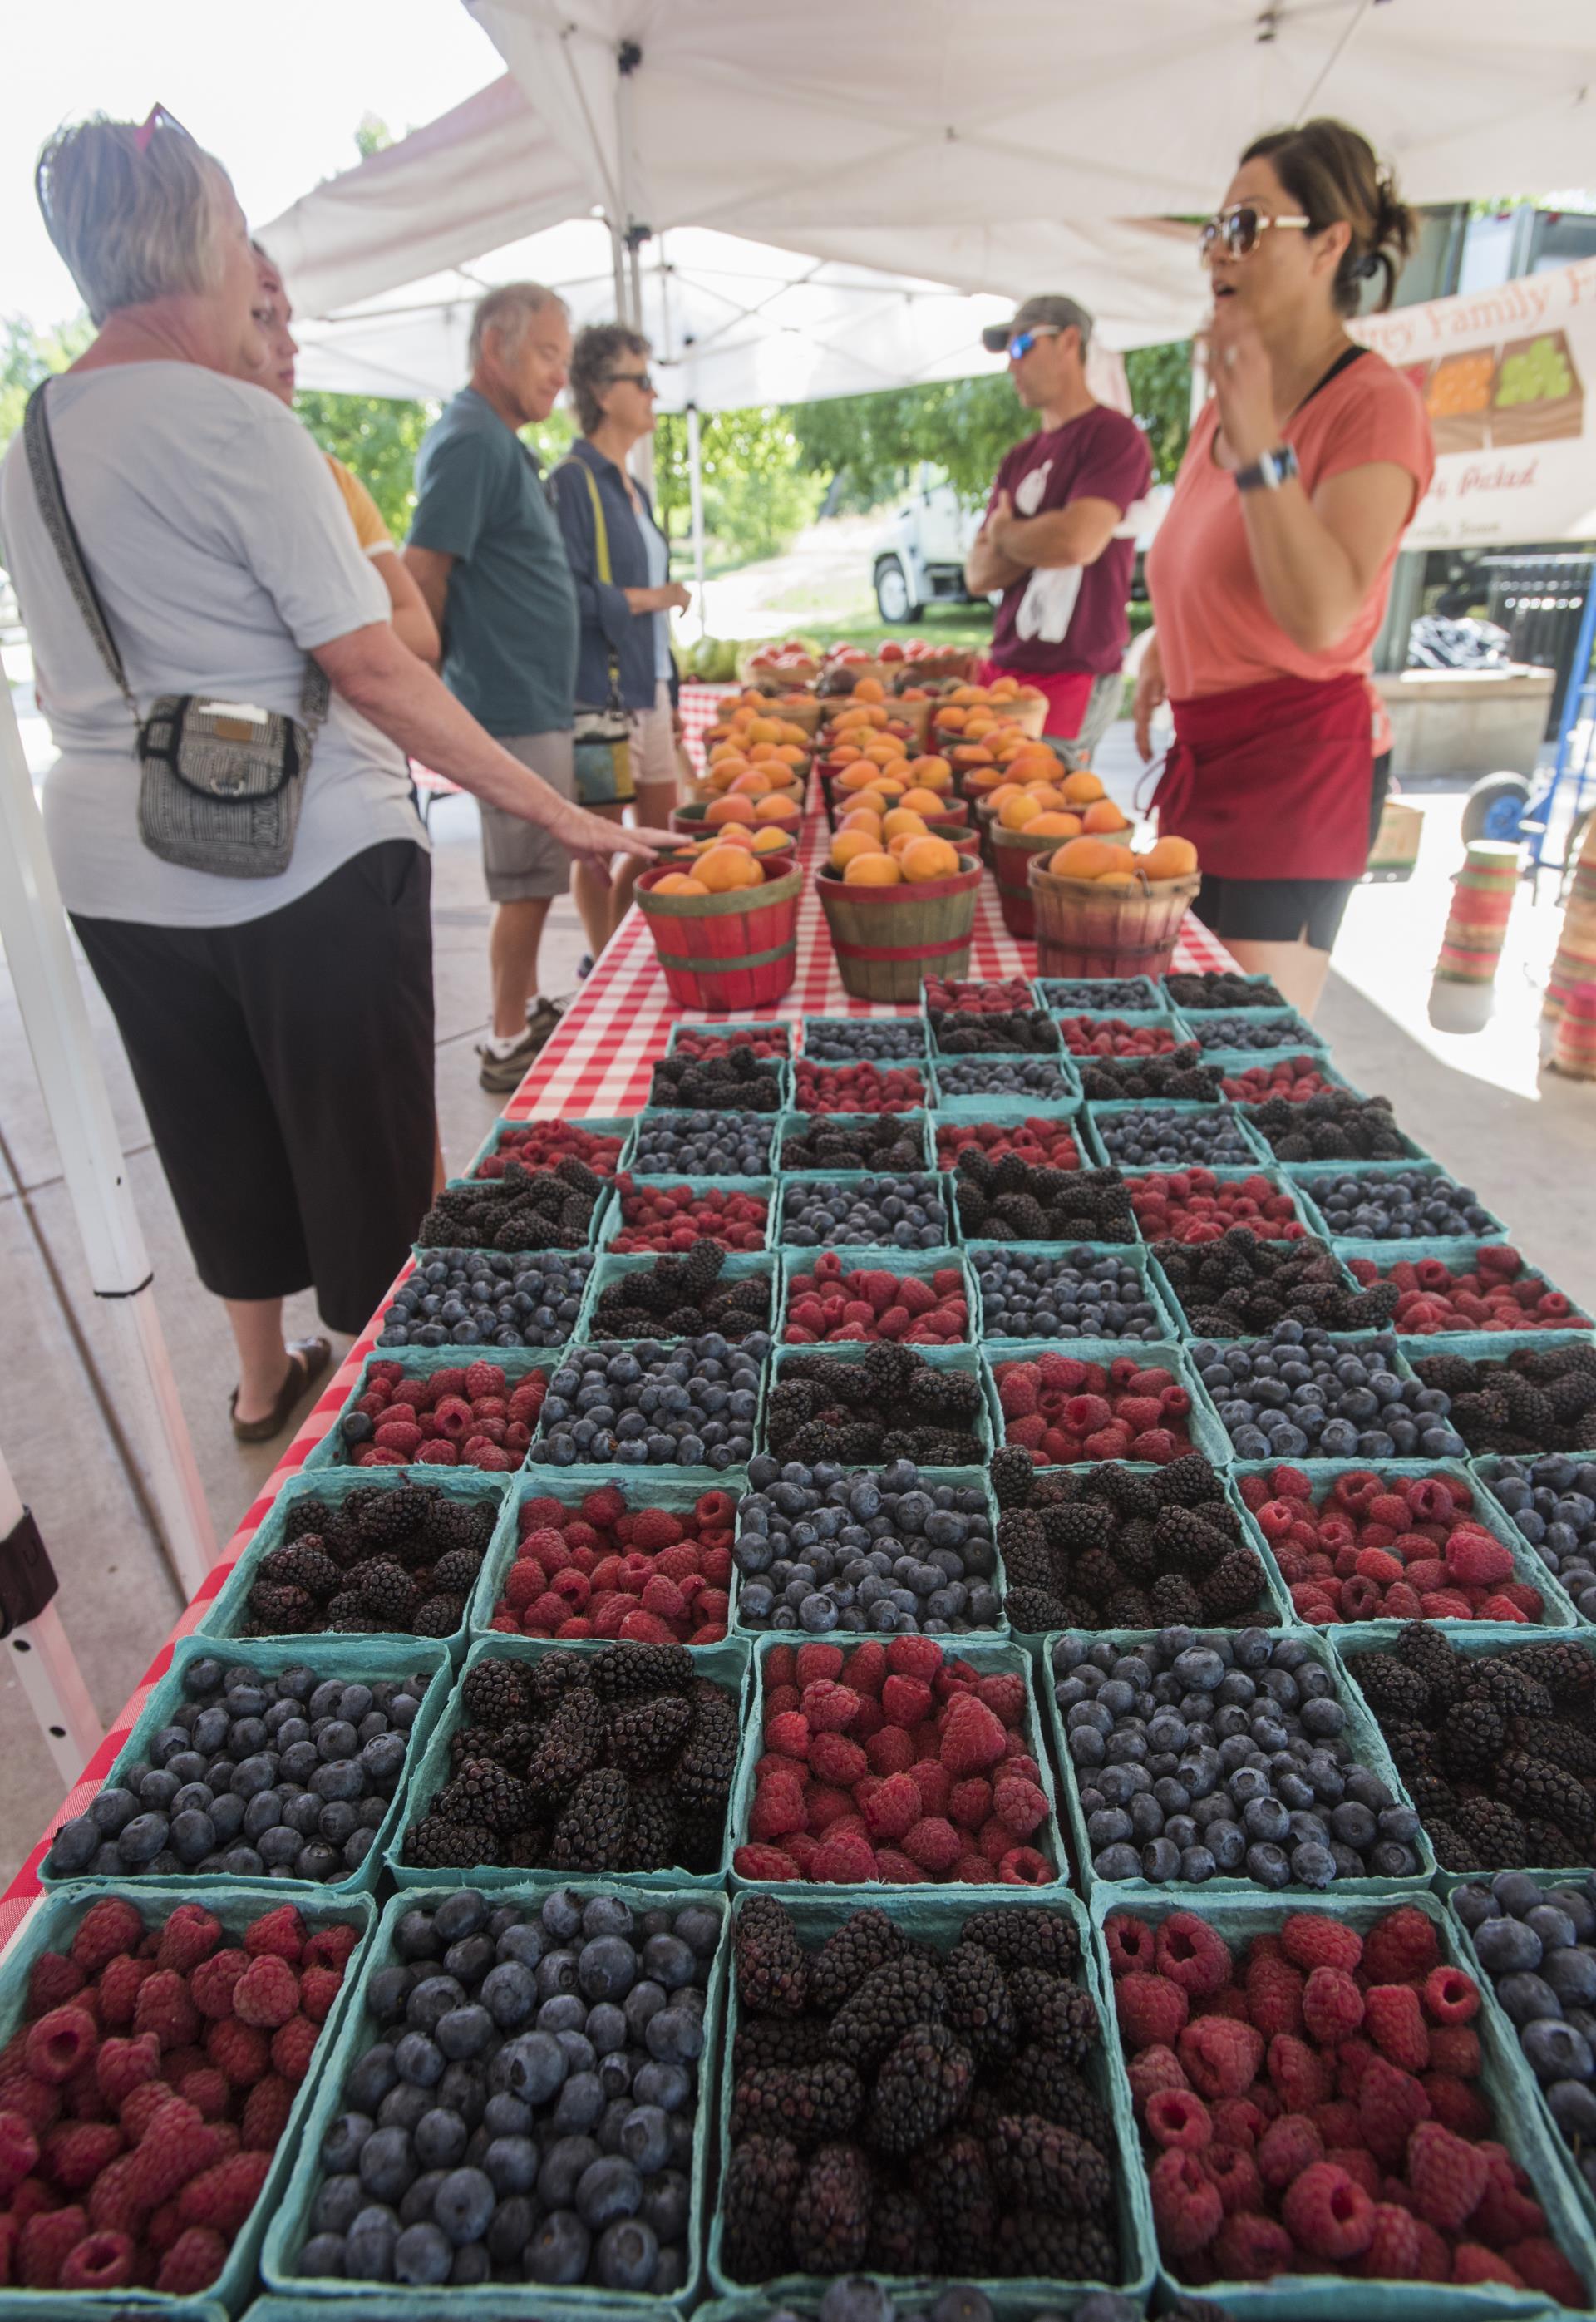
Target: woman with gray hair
{"x":229,"y":815}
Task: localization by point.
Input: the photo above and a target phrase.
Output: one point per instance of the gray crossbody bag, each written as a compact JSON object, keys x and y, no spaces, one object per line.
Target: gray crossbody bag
{"x":220,"y":783}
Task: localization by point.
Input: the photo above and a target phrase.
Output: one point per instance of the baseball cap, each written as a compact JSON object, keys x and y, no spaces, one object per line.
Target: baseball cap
{"x":1052,"y":312}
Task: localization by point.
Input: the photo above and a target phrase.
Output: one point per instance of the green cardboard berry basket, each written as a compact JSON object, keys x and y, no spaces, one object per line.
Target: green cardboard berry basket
{"x":590,"y":1239}
{"x":487,"y":2301}
{"x":1458,"y":1253}
{"x":959,"y":1479}
{"x":1233,"y":1173}
{"x":1475,"y":1641}
{"x":1486,"y":1468}
{"x":228,"y":1611}
{"x":1006,"y":1111}
{"x":1306,"y":1177}
{"x":1296,"y":1030}
{"x":1118,"y":1070}
{"x":591,"y":1473}
{"x":746,"y":1028}
{"x":794,"y":1124}
{"x":922,"y":1263}
{"x":825,"y":1024}
{"x":1346,"y":2298}
{"x":938,"y":1051}
{"x":353,"y":1660}
{"x":860,"y":1253}
{"x":1099,"y":1112}
{"x":971,"y":1105}
{"x":1258,"y":981}
{"x":1369,"y":1749}
{"x":473,"y":1351}
{"x":1154,"y":1013}
{"x":771,"y":1068}
{"x":1202,"y":1421}
{"x":1412,"y":1150}
{"x":421,"y":1362}
{"x":612,"y":1268}
{"x":1491,"y":1347}
{"x":654,"y":1116}
{"x":937,"y":1916}
{"x":956,"y":1359}
{"x":1232,"y":1062}
{"x":50,"y":1927}
{"x":1134,"y":1253}
{"x":918,"y":1065}
{"x":675,"y":1488}
{"x":1322,"y":1474}
{"x":1366,"y":1343}
{"x":1189,"y":1332}
{"x":988,"y":1656}
{"x":725,"y":1665}
{"x":621,"y":1128}
{"x":758,"y":1189}
{"x":1050,"y":992}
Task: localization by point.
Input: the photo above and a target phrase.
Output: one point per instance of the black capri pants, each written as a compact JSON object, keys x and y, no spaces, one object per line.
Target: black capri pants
{"x":286,"y":1067}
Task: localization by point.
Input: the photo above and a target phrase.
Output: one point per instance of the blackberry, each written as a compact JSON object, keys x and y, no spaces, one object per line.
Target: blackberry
{"x":385,"y":1591}
{"x":807,"y":2103}
{"x":455,"y":1575}
{"x":902,"y":2236}
{"x":1422,"y":1647}
{"x":552,"y":1676}
{"x":765,"y":2040}
{"x":494,"y":1693}
{"x":865,"y":1941}
{"x":1536,"y":1787}
{"x":829,"y":2216}
{"x":979,"y":2006}
{"x":1094,"y":1575}
{"x":277,"y":1609}
{"x":1556,"y":1738}
{"x":761,"y":2181}
{"x":646,"y":1734}
{"x":1233,"y":1588}
{"x":1493,"y":1833}
{"x":625,"y":1672}
{"x":1041,"y":2080}
{"x":921,"y":2087}
{"x":1078,"y":1525}
{"x":1053,"y":2012}
{"x":1452,"y":1851}
{"x":483,"y":1792}
{"x":1474,"y":1736}
{"x":773,"y":1968}
{"x":1174,"y":1602}
{"x":887,"y":1369}
{"x":1127,"y":1608}
{"x":389,"y":1517}
{"x":1133,"y":1493}
{"x":314,"y":1515}
{"x":434,"y":1844}
{"x":1027,"y":1936}
{"x":1032,"y":1611}
{"x":700,"y":1836}
{"x":1184,"y":1541}
{"x":591,"y":1832}
{"x":1393,"y":1688}
{"x":1040,"y":2165}
{"x":572,"y":1747}
{"x":459,"y":1524}
{"x":1434,"y":1798}
{"x":1510,"y":1685}
{"x":891,"y":2001}
{"x":956,"y":2185}
{"x":1568,"y":1674}
{"x":303,"y":1564}
{"x":710,"y":1758}
{"x":1414,"y":1749}
{"x":1045,"y":2242}
{"x":438,"y":1615}
{"x":653,"y":1839}
{"x":1010,"y":1473}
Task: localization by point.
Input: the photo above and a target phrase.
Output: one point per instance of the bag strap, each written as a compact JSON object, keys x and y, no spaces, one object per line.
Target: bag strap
{"x":601,"y":565}
{"x":40,"y":445}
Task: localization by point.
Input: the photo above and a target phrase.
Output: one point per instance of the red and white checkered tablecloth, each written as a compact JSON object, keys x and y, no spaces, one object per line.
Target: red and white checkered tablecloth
{"x":700,"y":706}
{"x":597,"y":1064}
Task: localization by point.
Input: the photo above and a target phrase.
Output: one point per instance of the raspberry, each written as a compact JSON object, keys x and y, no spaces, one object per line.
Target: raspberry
{"x":1275,"y":1994}
{"x":817,"y":1661}
{"x":1251,"y":2247}
{"x":190,"y":1935}
{"x":933,"y":1844}
{"x":829,"y":1707}
{"x":1004,"y":1694}
{"x":788,"y":1733}
{"x":205,"y":2088}
{"x":1332,"y":2005}
{"x":319,"y":1986}
{"x":239,"y":2051}
{"x":211,"y":1984}
{"x":1152,"y":2012}
{"x":972,"y":1738}
{"x":267,"y":1992}
{"x":764,"y":1862}
{"x":1236,"y":2176}
{"x":653,"y":1528}
{"x":1176,"y":2117}
{"x":1402,"y":1948}
{"x":779,"y":1807}
{"x":193,"y":2262}
{"x":281,"y":1931}
{"x":1454,"y":2050}
{"x":1455,"y":2105}
{"x":19,"y":2151}
{"x":223,"y":2197}
{"x":1021,"y":1805}
{"x":1186,"y":2205}
{"x":1024,"y":1866}
{"x":123,"y":2065}
{"x":1287,"y":2147}
{"x":164,"y":2008}
{"x":99,"y":2261}
{"x":265,"y":2114}
{"x":1541,"y":2265}
{"x":1327,"y":2214}
{"x":136,"y":2111}
{"x":1447,"y":2175}
{"x":1391,"y":2106}
{"x":1238,"y":2121}
{"x":60,"y":2044}
{"x":55,"y":1979}
{"x":1189,"y":1953}
{"x":293,"y":2044}
{"x":1221,"y":2055}
{"x":1471,"y":2264}
{"x":1311,"y":1941}
{"x":1301,"y":2077}
{"x":893,"y":1808}
{"x":833,"y":1759}
{"x":1450,"y":1996}
{"x":1395,"y":2248}
{"x":105,"y":1929}
{"x":1394,"y":2021}
{"x":46,"y":2242}
{"x":846,"y":1862}
{"x":75,"y":2154}
{"x":1133,"y":1947}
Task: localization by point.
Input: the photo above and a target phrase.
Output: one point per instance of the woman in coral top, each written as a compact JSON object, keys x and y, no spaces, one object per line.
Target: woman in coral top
{"x":1270,"y":573}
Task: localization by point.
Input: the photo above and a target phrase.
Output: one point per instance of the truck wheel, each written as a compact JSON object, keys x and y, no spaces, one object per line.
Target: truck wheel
{"x":893,"y":601}
{"x":1494,"y":807}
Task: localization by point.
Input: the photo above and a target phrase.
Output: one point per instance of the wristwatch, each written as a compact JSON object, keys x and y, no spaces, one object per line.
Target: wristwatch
{"x":1269,"y":472}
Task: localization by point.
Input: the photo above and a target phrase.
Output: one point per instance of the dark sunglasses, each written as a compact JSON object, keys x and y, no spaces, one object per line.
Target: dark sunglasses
{"x":643,"y":379}
{"x":1240,"y":229}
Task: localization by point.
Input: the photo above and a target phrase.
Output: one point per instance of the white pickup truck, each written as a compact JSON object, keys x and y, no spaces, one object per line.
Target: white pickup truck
{"x":918,"y":559}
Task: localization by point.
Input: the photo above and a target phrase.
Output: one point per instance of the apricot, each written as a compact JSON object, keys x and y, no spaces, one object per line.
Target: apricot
{"x":730,"y":833}
{"x":921,"y":801}
{"x":725,"y":868}
{"x":770,"y":837}
{"x":929,"y":858}
{"x":752,"y":784}
{"x":858,"y":775}
{"x":777,"y":808}
{"x":1086,"y":858}
{"x":951,"y":718}
{"x":1102,"y":814}
{"x":899,"y":819}
{"x":847,"y":844}
{"x":1118,"y":878}
{"x":678,"y":882}
{"x":861,"y":817}
{"x":764,"y":730}
{"x":1015,"y":813}
{"x":1082,"y":788}
{"x":870,"y":688}
{"x":731,"y":808}
{"x":1049,"y":799}
{"x":872,"y":871}
{"x":932,"y":774}
{"x":1171,"y":858}
{"x":1055,"y":825}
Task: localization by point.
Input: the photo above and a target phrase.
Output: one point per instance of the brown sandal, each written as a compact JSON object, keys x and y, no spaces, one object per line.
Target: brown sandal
{"x":307,"y":1359}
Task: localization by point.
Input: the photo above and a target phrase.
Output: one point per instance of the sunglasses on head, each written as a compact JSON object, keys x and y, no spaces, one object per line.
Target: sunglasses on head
{"x":1240,"y":228}
{"x":157,"y":117}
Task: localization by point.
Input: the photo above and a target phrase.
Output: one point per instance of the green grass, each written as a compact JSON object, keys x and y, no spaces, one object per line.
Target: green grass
{"x":942,"y":624}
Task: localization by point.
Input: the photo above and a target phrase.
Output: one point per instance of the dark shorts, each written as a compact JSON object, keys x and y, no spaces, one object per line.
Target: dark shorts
{"x":1284,"y":911}
{"x":286,"y":1067}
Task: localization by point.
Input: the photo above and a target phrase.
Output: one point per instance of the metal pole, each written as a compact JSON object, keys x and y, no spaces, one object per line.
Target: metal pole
{"x":50,"y":999}
{"x":1577,"y":677}
{"x":696,"y":500}
{"x":40,"y":1653}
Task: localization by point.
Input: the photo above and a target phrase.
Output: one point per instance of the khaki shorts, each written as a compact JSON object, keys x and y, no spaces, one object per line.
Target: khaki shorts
{"x":520,"y":861}
{"x":654,"y":741}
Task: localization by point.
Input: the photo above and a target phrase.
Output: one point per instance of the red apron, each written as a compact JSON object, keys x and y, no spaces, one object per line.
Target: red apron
{"x":1272,"y":780}
{"x":1068,"y":692}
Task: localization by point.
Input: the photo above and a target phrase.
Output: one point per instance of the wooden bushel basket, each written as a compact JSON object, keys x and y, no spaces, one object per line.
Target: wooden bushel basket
{"x":731,"y":952}
{"x":1085,"y":929}
{"x":887,"y":939}
{"x":1012,"y":853}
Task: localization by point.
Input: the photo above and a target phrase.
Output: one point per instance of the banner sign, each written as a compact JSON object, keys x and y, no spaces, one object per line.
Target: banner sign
{"x":1508,"y":379}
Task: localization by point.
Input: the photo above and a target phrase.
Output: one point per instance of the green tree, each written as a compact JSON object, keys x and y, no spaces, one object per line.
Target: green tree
{"x":379,"y":437}
{"x":1160,"y":382}
{"x":757,"y":494}
{"x":27,"y":355}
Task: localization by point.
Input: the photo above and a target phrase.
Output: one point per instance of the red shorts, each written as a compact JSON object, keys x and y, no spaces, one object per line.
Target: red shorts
{"x":1068,"y":693}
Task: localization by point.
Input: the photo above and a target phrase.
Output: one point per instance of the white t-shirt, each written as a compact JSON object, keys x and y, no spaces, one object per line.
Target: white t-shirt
{"x":658,"y":573}
{"x":221,"y":551}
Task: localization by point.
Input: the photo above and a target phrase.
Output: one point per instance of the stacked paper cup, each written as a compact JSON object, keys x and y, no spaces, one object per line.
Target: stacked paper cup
{"x":1575,"y":1052}
{"x":1482,"y":904}
{"x":1576,"y":963}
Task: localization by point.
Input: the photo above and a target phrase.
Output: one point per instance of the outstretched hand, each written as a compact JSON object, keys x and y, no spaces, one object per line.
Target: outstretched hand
{"x":594,"y":842}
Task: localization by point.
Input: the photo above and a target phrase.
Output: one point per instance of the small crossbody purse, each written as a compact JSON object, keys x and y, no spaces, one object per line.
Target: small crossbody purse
{"x":220,"y":783}
{"x":602,"y":737}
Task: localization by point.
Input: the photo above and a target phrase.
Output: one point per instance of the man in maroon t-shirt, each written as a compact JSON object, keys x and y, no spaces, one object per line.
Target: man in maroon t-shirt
{"x":1059,"y":537}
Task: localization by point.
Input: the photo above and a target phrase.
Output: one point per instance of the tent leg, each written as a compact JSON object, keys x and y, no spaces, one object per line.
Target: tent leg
{"x":696,"y":495}
{"x":40,"y":1653}
{"x":34,"y":929}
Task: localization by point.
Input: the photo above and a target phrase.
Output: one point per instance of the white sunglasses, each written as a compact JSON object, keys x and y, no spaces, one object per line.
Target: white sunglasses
{"x":1239,"y":228}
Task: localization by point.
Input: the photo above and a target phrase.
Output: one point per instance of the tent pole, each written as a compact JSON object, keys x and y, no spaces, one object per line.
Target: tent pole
{"x":40,"y":1655}
{"x":696,"y":497}
{"x":50,"y":999}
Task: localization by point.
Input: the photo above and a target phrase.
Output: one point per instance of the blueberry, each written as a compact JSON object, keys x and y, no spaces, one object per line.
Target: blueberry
{"x":531,"y":2067}
{"x":627,"y":2254}
{"x":440,"y":2138}
{"x":369,"y":2246}
{"x":344,"y":2141}
{"x":565,"y":2161}
{"x":1554,"y":2050}
{"x":423,"y":2256}
{"x":464,"y":2205}
{"x":1506,"y":1946}
{"x":384,"y":2164}
{"x":558,"y":2252}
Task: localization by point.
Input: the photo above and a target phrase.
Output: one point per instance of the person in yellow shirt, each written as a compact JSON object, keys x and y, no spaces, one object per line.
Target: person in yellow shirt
{"x":413,"y":623}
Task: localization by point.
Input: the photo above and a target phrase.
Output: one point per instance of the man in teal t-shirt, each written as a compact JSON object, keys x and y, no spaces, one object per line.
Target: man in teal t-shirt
{"x":487,"y":551}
